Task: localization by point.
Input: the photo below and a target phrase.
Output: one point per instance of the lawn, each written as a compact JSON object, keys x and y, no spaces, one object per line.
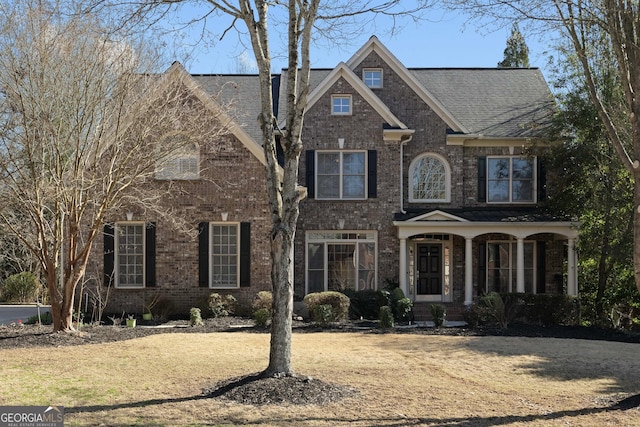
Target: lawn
{"x":401,"y":379}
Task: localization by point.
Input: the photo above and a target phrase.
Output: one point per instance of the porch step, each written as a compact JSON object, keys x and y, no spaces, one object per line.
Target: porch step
{"x":422,"y":312}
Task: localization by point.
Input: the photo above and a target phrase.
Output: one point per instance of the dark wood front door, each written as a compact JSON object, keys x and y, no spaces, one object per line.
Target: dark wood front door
{"x":429,"y":269}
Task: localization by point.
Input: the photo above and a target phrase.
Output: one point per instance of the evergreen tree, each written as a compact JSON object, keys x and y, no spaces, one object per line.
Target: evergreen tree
{"x":516,"y":54}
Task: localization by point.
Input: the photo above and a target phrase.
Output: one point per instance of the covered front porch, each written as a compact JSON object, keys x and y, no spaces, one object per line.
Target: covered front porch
{"x":453,"y":257}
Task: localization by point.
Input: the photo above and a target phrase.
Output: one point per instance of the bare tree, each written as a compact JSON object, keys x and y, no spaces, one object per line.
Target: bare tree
{"x":81,"y":118}
{"x":591,"y":26}
{"x":303,"y":21}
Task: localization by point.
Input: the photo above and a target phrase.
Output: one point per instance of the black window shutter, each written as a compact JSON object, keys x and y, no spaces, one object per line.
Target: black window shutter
{"x":542,"y":181}
{"x":372,"y":182}
{"x":109,"y":253}
{"x":310,"y":173}
{"x":150,"y":255}
{"x":203,"y":254}
{"x":482,"y":268}
{"x":541,"y":267}
{"x":245,"y":254}
{"x":482,"y":179}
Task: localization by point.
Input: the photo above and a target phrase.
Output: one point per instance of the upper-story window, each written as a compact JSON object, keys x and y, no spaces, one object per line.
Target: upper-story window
{"x":341,"y":105}
{"x":341,"y":175}
{"x":372,"y":77}
{"x":183,"y":163}
{"x":429,"y":179}
{"x":511,"y":180}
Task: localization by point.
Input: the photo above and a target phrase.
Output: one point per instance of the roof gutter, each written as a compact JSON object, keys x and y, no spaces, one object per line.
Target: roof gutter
{"x":403,"y":141}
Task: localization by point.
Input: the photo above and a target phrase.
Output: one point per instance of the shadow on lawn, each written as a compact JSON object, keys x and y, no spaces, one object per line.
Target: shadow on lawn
{"x":623,"y":405}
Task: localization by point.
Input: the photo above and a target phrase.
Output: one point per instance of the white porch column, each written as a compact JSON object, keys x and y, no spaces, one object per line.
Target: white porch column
{"x":520,"y":265}
{"x":572,"y":283}
{"x":468,"y":271}
{"x":404,"y":283}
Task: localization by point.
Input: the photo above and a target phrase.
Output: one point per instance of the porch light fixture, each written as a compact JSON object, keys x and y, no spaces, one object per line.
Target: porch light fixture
{"x":224,"y":215}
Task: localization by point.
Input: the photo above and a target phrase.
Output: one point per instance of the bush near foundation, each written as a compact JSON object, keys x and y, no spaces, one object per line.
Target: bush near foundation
{"x":338,"y":301}
{"x":365,"y":304}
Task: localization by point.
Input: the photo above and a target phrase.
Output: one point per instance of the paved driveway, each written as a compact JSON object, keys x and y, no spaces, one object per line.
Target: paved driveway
{"x":13,"y":313}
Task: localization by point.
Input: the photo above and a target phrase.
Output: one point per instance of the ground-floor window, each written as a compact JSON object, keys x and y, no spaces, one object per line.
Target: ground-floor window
{"x":224,"y":255}
{"x":501,"y":267}
{"x":129,"y":246}
{"x":341,"y":260}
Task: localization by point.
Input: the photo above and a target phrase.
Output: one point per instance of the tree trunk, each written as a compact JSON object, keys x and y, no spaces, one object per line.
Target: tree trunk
{"x":636,"y":229}
{"x":282,"y":308}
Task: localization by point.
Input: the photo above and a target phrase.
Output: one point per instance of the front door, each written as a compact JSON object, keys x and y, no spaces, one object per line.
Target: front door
{"x":429,"y":274}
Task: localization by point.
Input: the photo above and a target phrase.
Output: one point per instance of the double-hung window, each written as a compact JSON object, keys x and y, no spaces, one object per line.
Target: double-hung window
{"x":511,"y":180}
{"x":341,"y":175}
{"x":129,"y":254}
{"x":502,"y":263}
{"x":224,"y":254}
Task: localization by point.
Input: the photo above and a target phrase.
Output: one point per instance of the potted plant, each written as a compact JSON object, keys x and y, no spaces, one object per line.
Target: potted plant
{"x":131,"y":321}
{"x":148,"y":305}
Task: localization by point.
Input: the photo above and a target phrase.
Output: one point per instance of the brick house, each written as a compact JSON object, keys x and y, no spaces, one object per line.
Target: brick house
{"x":428,"y":178}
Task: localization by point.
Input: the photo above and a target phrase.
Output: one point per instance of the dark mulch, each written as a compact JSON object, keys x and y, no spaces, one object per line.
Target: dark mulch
{"x":257,"y":389}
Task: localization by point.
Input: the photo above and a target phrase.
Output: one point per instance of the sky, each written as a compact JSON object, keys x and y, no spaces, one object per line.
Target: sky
{"x":441,"y":40}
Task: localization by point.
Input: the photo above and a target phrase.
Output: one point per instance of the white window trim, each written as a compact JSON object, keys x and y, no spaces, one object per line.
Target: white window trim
{"x":116,"y":266}
{"x":447,"y":169}
{"x":341,"y":152}
{"x":182,"y":153}
{"x":210,"y":252}
{"x":513,"y":269}
{"x":534,"y":182}
{"x":341,"y":96}
{"x":365,"y":70}
{"x":309,"y":238}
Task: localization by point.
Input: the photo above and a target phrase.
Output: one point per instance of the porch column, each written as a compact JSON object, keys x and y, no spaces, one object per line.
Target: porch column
{"x":520,"y":265}
{"x":572,"y":283}
{"x":468,"y":271}
{"x":403,"y":268}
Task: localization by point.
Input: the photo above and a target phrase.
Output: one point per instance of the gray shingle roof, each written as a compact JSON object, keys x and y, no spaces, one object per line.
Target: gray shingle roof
{"x":239,"y":95}
{"x":494,"y":102}
{"x":500,"y":102}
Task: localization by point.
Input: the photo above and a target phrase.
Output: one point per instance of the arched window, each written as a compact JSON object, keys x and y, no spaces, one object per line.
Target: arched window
{"x":429,"y":179}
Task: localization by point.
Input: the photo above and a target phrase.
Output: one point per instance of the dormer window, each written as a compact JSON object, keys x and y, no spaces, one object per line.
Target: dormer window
{"x":340,"y":105}
{"x":372,"y":77}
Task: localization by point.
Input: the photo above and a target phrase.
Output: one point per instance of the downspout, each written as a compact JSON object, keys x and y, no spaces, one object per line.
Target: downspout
{"x":403,"y":141}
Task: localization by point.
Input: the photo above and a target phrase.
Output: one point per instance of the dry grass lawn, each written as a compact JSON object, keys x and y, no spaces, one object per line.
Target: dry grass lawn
{"x":402,"y":380}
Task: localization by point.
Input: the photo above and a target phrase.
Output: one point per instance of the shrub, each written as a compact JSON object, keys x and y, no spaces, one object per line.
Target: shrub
{"x":164,"y":308}
{"x":401,"y":307}
{"x":262,"y":317}
{"x":21,"y":287}
{"x":438,"y":314}
{"x":503,"y":311}
{"x":546,"y":309}
{"x":45,"y":318}
{"x":323,"y":314}
{"x":366,"y":303}
{"x":262,"y":300}
{"x":473,"y":315}
{"x":386,"y":317}
{"x":338,"y":301}
{"x":195,"y":317}
{"x":221,"y":305}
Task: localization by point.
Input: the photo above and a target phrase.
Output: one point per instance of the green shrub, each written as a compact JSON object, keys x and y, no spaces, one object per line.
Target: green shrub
{"x":221,"y":305}
{"x":45,"y":318}
{"x":323,"y":314}
{"x":21,"y":287}
{"x":386,"y":317}
{"x":338,"y":301}
{"x":195,"y":317}
{"x":551,"y":309}
{"x":472,"y":315}
{"x":262,"y":317}
{"x":438,"y":314}
{"x":365,"y":304}
{"x":262,"y":300}
{"x":401,"y":307}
